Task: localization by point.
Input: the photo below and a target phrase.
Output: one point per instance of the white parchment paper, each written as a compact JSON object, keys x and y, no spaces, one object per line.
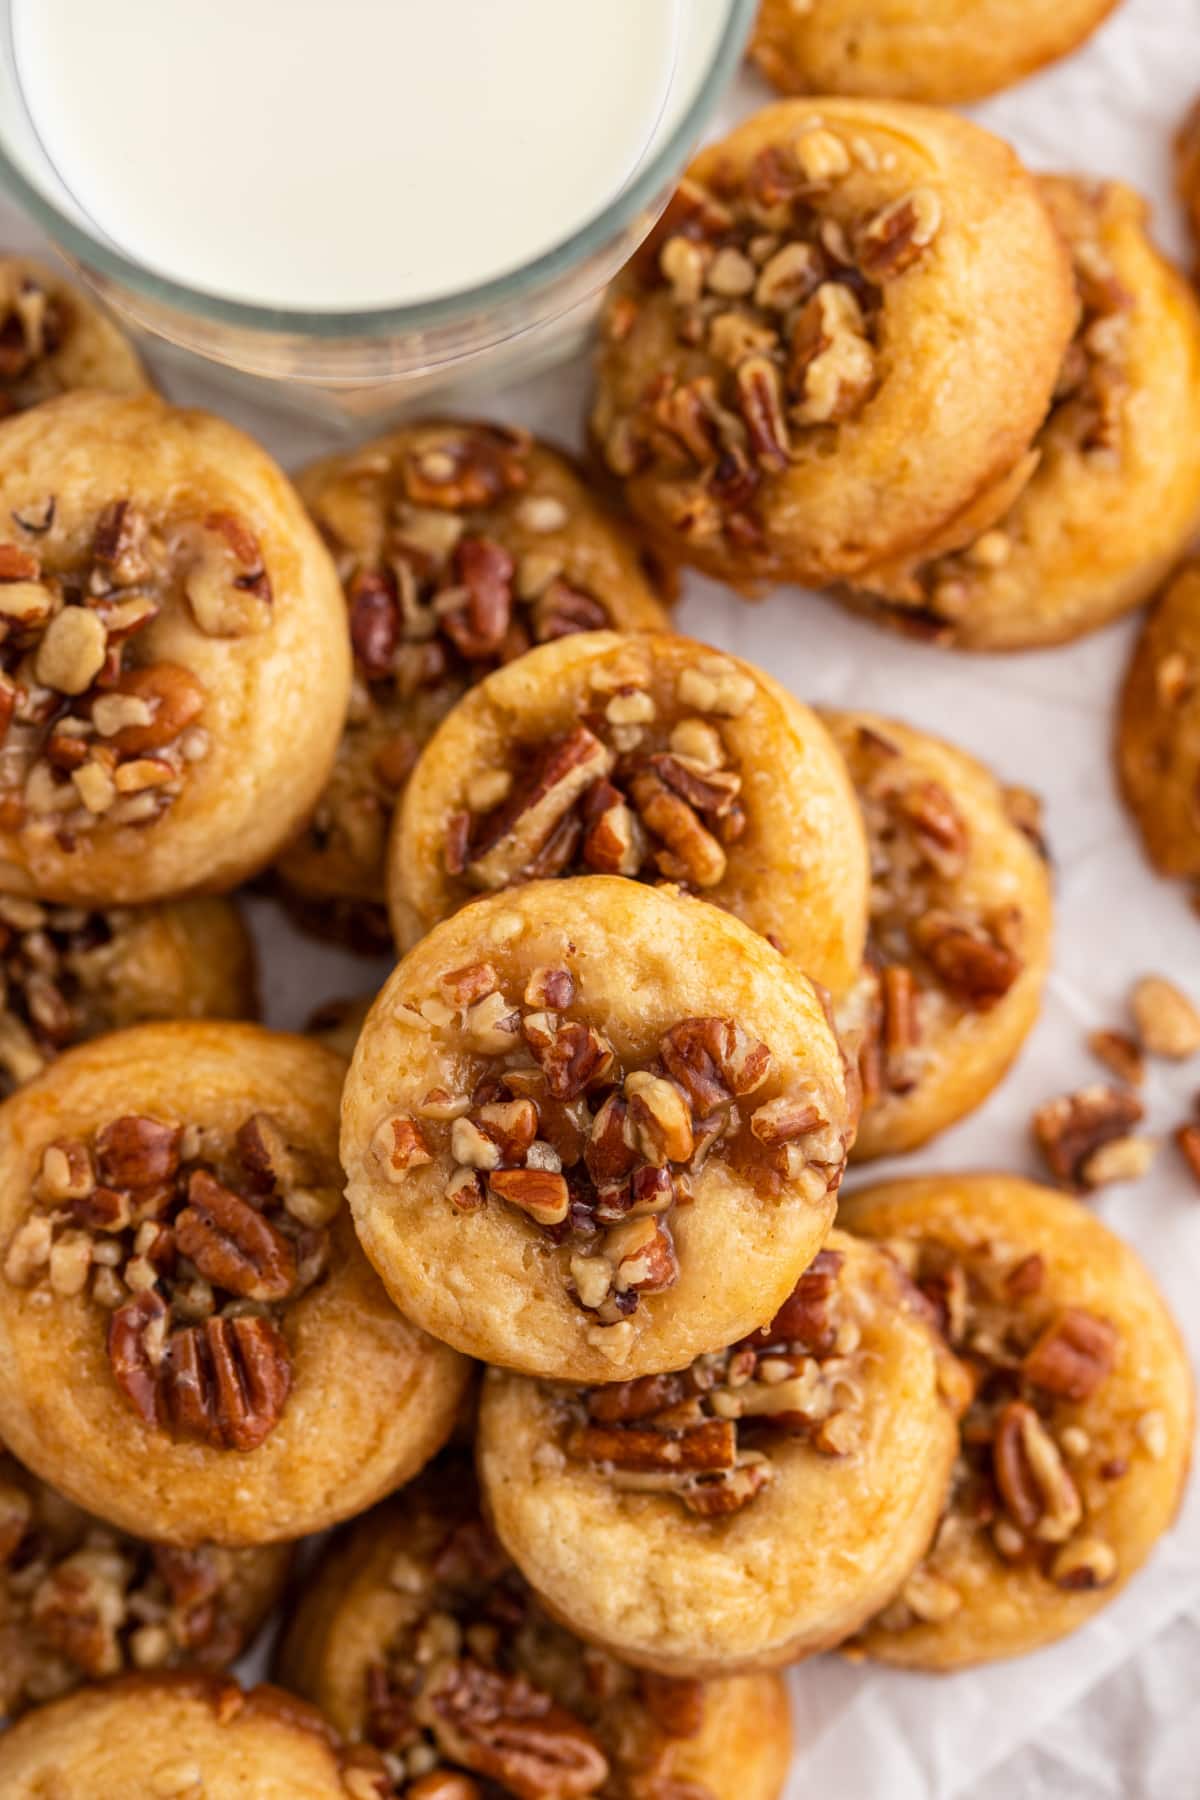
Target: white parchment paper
{"x":1111,"y":1714}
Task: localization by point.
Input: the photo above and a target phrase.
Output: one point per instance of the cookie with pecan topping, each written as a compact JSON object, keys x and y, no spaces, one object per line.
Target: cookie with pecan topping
{"x":54,"y":338}
{"x":959,"y":940}
{"x":1158,"y":729}
{"x":173,"y":1737}
{"x":755,"y":1506}
{"x":1114,"y":497}
{"x":593,"y":1129}
{"x":80,"y":1601}
{"x":1075,"y":1447}
{"x":69,"y":975}
{"x":836,"y":347}
{"x":172,"y":1231}
{"x":943,"y":51}
{"x":657,"y":759}
{"x":173,"y":658}
{"x":458,"y":547}
{"x":417,"y":1636}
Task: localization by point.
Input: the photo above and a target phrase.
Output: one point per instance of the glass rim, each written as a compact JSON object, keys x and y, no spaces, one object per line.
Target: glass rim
{"x":423,"y":315}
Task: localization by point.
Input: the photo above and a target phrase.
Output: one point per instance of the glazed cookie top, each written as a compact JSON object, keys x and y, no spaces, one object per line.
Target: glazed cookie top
{"x":659,"y":760}
{"x":69,"y":975}
{"x":751,"y":377}
{"x":155,"y":571}
{"x":458,"y":547}
{"x":80,"y":1601}
{"x":191,"y":1242}
{"x":1075,"y":1445}
{"x":1076,"y":546}
{"x":960,"y":921}
{"x":193,"y":1263}
{"x":756,"y":1505}
{"x":53,"y":339}
{"x":420,"y":1638}
{"x":601,"y":1174}
{"x":170,"y":1737}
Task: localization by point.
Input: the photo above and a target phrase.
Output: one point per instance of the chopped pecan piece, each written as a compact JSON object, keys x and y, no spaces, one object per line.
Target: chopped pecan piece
{"x":478,"y":628}
{"x":709,"y":1445}
{"x":714,"y":1061}
{"x":137,"y":1152}
{"x":969,"y":960}
{"x":137,"y":1336}
{"x":538,"y":1192}
{"x":692,"y":855}
{"x":1074,"y":1355}
{"x":806,"y":1316}
{"x":1037,"y":1490}
{"x":571,"y":1055}
{"x":511,"y":838}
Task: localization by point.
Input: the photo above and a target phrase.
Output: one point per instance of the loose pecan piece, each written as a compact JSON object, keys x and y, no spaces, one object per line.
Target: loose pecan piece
{"x":1070,"y":1129}
{"x":510,"y":1732}
{"x":232,"y":1244}
{"x":1073,"y":1356}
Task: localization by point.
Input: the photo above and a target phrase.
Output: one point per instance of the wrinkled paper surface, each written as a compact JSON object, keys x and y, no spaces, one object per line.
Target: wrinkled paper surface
{"x":1109,"y":1714}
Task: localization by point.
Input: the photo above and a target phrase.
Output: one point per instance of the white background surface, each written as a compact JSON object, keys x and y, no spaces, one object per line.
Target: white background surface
{"x":1112,"y":1713}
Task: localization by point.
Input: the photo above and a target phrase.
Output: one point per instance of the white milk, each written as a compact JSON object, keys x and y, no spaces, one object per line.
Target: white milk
{"x":339,"y":154}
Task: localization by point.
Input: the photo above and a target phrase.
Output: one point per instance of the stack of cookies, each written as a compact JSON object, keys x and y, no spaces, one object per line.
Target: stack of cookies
{"x":531,"y":1271}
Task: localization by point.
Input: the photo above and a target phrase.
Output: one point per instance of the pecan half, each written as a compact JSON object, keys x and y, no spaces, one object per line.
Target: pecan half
{"x":1032,"y":1478}
{"x":507,"y":1730}
{"x":232,"y":1244}
{"x":969,"y":960}
{"x":510,"y":838}
{"x":226,"y":1382}
{"x":710,"y":1445}
{"x":137,"y":1152}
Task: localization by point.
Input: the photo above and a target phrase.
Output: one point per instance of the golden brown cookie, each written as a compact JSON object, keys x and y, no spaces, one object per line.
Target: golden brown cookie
{"x":751,"y":1509}
{"x":173,"y":657}
{"x":960,"y":934}
{"x":656,"y":759}
{"x":1158,"y":729}
{"x":1115,"y":494}
{"x":79,"y":1600}
{"x":416,"y":1634}
{"x":70,"y":975}
{"x":593,"y":1129}
{"x":1076,"y":1445}
{"x":837,"y":345}
{"x":174,"y":1737}
{"x":172,"y":1233}
{"x":1187,"y":168}
{"x":458,"y":547}
{"x":54,"y":338}
{"x":936,"y":50}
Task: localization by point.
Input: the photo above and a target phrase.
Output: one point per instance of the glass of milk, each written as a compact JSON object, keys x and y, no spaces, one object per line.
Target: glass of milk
{"x":375,"y":199}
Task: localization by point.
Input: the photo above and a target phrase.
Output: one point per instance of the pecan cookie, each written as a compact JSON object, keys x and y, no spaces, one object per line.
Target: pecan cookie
{"x":79,"y":1600}
{"x":938,"y":50}
{"x":69,"y":975}
{"x":1158,"y":729}
{"x":836,"y":346}
{"x":959,"y":943}
{"x":173,"y":657}
{"x":593,"y":1129}
{"x":1076,"y":1444}
{"x":657,"y":759}
{"x":54,"y":339}
{"x":172,"y":1231}
{"x":753,"y":1507}
{"x":417,"y":1636}
{"x":176,"y":1737}
{"x":458,"y":547}
{"x":1187,"y":168}
{"x":1115,"y":494}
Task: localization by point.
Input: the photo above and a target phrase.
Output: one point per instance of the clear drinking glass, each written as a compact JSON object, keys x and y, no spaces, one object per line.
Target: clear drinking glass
{"x":369,"y":362}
